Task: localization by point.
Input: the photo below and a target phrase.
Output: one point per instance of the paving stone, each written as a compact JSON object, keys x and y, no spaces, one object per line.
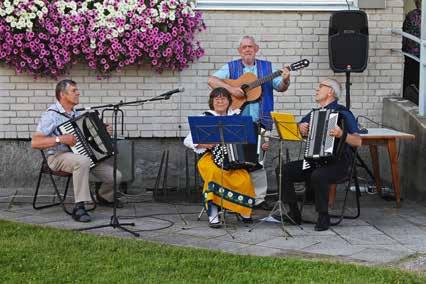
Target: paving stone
{"x":355,"y":230}
{"x":377,"y":239}
{"x":262,"y":251}
{"x":418,"y":263}
{"x":401,"y":230}
{"x":380,"y":255}
{"x":333,"y":247}
{"x":254,"y":237}
{"x":295,"y":243}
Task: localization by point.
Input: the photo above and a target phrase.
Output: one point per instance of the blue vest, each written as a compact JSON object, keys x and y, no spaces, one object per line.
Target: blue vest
{"x":266,"y":103}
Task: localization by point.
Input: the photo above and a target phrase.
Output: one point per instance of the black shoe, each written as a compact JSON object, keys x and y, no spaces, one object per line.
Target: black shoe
{"x":245,"y":220}
{"x":323,"y":222}
{"x":103,"y":202}
{"x":80,"y":214}
{"x":263,"y":206}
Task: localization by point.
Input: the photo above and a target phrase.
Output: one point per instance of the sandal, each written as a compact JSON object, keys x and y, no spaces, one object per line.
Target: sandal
{"x":80,"y":214}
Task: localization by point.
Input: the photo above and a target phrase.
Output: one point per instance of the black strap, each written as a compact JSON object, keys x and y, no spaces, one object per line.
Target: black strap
{"x":63,"y":114}
{"x":342,"y":139}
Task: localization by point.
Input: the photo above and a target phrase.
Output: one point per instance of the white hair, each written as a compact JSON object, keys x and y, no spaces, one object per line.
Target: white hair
{"x":335,"y":86}
{"x":247,"y":37}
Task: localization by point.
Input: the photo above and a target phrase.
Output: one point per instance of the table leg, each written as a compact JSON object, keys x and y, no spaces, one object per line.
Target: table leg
{"x":376,"y":167}
{"x":393,"y":157}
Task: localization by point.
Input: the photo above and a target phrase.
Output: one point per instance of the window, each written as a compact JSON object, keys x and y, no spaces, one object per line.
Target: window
{"x":275,"y":5}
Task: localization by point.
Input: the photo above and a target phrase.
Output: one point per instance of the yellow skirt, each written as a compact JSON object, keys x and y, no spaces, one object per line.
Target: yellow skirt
{"x":237,"y":188}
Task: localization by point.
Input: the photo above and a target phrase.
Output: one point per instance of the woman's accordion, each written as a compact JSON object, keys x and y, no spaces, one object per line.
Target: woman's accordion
{"x":236,"y":156}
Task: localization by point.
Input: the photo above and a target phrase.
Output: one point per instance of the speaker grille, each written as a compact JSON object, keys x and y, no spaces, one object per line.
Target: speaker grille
{"x":348,"y":41}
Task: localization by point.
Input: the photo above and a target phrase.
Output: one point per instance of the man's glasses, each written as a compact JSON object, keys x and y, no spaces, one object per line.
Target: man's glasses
{"x":324,"y":85}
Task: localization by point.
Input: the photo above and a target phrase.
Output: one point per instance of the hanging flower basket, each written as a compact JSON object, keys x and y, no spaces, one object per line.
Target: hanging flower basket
{"x":45,"y":38}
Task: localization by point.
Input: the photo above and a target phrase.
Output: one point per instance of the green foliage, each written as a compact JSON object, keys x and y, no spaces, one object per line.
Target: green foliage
{"x":31,"y":254}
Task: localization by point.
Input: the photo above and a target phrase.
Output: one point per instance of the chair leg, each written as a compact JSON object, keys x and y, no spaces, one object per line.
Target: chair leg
{"x":35,"y":206}
{"x":357,"y":195}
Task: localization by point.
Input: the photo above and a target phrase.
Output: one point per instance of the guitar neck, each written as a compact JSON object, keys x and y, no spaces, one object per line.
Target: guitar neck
{"x":260,"y":81}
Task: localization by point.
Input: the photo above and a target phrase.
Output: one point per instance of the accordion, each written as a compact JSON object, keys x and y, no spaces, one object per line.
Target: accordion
{"x":93,"y":140}
{"x":236,"y":156}
{"x":319,"y":144}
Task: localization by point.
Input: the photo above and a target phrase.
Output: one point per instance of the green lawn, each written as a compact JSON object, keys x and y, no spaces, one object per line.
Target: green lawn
{"x":31,"y":254}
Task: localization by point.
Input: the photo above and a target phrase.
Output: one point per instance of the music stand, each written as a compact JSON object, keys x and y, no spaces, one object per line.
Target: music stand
{"x":288,"y":131}
{"x":222,"y":130}
{"x":115,"y":108}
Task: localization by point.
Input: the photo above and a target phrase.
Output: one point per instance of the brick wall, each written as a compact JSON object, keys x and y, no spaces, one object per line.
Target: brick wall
{"x":284,"y":37}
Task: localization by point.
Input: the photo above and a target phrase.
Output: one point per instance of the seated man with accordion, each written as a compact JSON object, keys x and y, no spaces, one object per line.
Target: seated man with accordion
{"x":77,"y":144}
{"x":321,"y":167}
{"x":234,"y":182}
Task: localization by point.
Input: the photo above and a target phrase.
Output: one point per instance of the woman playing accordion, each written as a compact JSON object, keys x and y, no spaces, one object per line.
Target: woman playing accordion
{"x":234,"y":184}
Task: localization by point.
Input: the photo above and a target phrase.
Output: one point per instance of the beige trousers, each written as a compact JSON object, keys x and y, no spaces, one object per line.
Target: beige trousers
{"x":79,"y":166}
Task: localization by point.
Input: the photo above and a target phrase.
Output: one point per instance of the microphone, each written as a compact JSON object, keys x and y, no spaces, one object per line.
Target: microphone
{"x":169,"y":93}
{"x":83,"y":108}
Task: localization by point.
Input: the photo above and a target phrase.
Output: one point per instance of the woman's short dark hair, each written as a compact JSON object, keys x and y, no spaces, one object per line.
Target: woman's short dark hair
{"x":62,"y":87}
{"x":217,"y":92}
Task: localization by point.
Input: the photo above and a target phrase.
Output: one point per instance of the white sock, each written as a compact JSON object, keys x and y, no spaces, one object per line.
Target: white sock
{"x":214,"y":216}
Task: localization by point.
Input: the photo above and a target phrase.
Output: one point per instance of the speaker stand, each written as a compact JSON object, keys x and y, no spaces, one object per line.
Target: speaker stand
{"x":348,"y":86}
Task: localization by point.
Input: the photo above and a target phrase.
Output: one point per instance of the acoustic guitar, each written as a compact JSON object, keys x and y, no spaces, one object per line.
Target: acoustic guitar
{"x":251,"y":85}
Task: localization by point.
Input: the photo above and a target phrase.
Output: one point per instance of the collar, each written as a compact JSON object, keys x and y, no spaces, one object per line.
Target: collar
{"x":230,"y":112}
{"x":61,"y":109}
{"x":245,"y":66}
{"x":331,"y":105}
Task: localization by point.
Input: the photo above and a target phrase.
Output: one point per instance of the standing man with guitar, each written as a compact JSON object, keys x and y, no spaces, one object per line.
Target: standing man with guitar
{"x":248,"y":68}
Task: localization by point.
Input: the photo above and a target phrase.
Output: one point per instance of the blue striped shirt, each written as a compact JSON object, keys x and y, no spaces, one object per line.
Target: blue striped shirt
{"x":49,"y":122}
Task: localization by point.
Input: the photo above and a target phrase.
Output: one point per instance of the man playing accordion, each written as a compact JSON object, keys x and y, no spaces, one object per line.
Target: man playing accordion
{"x":319,"y":177}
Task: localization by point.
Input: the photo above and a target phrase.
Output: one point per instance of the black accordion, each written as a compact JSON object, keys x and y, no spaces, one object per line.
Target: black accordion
{"x":319,"y":144}
{"x":93,"y":140}
{"x":236,"y":156}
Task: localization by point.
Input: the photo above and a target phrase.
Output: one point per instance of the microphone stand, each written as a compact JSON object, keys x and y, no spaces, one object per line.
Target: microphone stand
{"x":114,"y":221}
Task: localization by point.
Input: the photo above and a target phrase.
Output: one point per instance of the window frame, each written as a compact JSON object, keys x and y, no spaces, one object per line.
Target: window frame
{"x":278,"y":5}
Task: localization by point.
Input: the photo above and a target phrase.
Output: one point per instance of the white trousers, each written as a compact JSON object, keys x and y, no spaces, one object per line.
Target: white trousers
{"x":260,"y":183}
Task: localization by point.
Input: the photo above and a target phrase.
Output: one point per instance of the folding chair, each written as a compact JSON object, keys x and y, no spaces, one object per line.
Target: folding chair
{"x":347,"y":180}
{"x":351,"y":176}
{"x":46,"y":170}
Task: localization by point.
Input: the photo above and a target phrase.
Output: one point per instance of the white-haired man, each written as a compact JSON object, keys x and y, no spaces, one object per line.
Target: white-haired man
{"x":259,"y":110}
{"x":318,"y":179}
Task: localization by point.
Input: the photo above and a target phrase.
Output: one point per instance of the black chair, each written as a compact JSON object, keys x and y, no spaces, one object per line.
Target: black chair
{"x":46,"y":170}
{"x":347,"y":181}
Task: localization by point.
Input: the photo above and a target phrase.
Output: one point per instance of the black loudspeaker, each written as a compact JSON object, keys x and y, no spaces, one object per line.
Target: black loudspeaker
{"x":348,"y":41}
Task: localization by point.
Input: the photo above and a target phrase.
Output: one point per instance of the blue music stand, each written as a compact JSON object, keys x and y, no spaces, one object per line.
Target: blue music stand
{"x":222,"y":129}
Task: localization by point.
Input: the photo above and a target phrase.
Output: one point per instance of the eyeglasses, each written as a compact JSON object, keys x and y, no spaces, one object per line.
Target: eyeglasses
{"x":220,"y":97}
{"x":324,"y":85}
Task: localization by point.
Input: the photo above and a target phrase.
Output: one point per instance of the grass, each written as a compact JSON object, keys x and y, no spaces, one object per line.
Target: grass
{"x":32,"y":254}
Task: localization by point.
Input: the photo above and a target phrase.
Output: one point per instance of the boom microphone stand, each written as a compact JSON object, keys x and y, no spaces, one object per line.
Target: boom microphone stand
{"x":114,"y":221}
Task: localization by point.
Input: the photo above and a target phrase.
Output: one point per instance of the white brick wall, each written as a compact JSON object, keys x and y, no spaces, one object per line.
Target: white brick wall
{"x":284,"y":37}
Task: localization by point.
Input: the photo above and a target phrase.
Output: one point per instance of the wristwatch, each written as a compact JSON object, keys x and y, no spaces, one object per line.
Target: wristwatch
{"x":57,"y":140}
